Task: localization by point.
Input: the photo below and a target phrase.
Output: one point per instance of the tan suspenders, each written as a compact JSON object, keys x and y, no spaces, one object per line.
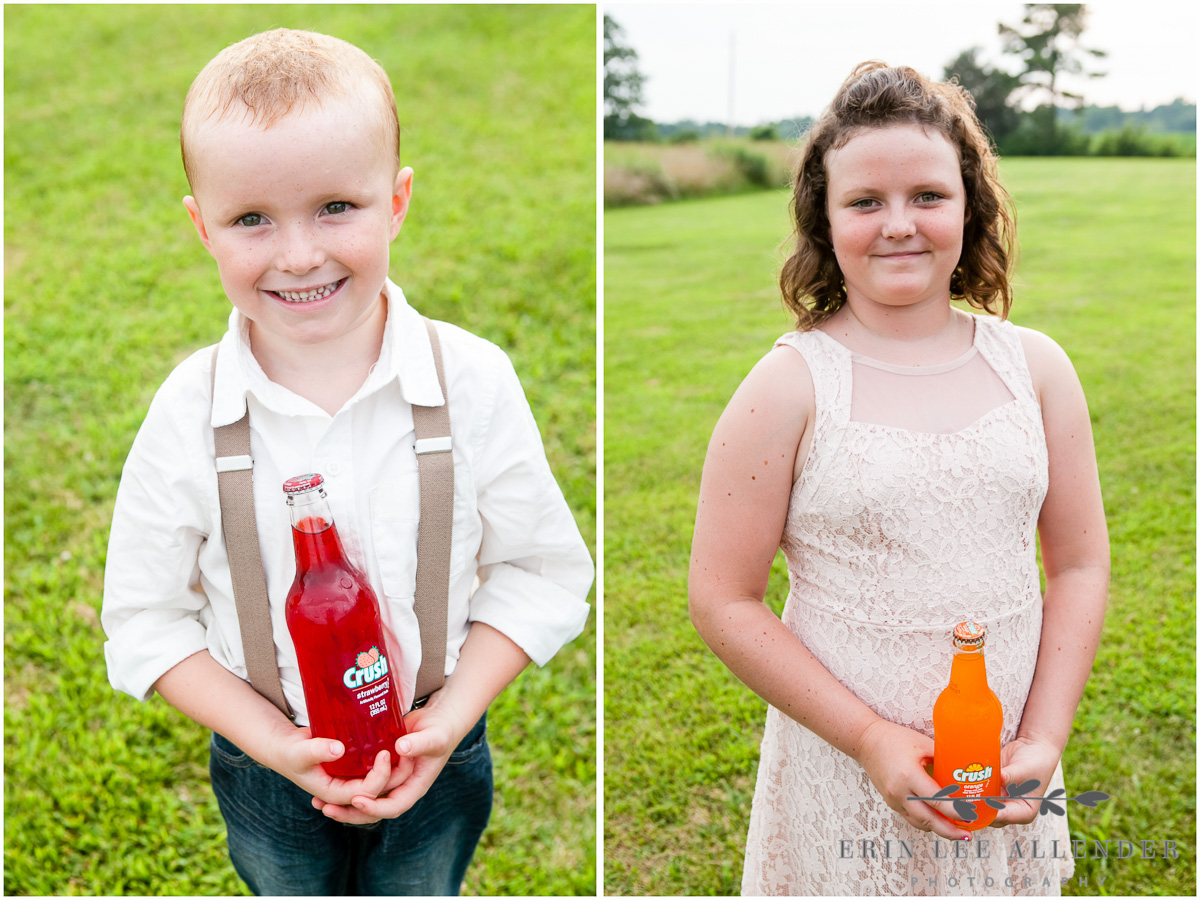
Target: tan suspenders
{"x":435,"y":479}
{"x":435,"y":484}
{"x":235,"y":486}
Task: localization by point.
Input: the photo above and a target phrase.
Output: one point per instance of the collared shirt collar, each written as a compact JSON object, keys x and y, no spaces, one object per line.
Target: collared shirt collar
{"x":406,"y":342}
{"x":405,"y":356}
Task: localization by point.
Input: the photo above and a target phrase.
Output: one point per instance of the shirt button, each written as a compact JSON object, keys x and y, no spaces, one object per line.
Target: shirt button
{"x":334,"y":468}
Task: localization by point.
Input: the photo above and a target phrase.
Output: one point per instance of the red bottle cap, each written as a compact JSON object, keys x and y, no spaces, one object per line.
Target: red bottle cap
{"x":302,"y":483}
{"x":968,"y":635}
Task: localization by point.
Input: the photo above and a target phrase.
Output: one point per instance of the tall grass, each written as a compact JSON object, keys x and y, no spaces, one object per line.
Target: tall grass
{"x":1108,"y":270}
{"x":107,"y":289}
{"x":641,"y":174}
{"x":645,"y":174}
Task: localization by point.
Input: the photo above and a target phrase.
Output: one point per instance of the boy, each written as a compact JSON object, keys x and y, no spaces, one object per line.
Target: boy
{"x":290,"y":144}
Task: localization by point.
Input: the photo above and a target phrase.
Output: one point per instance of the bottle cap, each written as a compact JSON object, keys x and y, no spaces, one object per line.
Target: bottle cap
{"x":302,"y":483}
{"x":968,"y":635}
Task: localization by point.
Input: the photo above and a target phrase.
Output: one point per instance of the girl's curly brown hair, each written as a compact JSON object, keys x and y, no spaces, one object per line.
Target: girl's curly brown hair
{"x":878,"y":95}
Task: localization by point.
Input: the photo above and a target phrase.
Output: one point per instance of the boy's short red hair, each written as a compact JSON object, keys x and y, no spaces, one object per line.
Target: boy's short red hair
{"x":269,"y":75}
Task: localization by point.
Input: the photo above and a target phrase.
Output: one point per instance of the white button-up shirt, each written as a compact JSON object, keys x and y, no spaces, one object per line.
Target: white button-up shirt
{"x":167,"y":586}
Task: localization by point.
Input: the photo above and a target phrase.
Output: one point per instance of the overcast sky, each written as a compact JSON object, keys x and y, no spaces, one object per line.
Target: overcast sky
{"x":789,"y":58}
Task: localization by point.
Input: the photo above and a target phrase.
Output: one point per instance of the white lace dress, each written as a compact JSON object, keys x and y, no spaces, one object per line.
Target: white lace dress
{"x":913,"y":512}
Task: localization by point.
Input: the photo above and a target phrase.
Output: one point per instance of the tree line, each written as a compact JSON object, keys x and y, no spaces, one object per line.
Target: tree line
{"x":1028,"y":113}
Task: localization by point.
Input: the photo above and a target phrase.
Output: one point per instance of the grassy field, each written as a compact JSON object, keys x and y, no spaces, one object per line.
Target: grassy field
{"x":107,"y":289}
{"x":1108,"y":270}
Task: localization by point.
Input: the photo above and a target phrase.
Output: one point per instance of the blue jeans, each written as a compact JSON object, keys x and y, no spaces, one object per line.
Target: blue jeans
{"x":280,"y":845}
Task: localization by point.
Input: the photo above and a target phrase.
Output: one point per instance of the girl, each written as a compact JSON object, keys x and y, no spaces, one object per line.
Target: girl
{"x":908,"y":456}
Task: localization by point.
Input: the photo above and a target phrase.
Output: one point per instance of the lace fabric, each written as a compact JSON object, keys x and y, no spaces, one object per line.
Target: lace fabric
{"x":894,"y":535}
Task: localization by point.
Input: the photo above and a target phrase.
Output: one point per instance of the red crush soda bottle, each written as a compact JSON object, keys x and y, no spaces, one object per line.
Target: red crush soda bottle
{"x":346,"y":668}
{"x":967,"y":719}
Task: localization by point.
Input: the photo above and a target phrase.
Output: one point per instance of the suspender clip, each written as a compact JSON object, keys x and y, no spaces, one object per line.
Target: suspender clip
{"x":433,"y":444}
{"x":234,"y":463}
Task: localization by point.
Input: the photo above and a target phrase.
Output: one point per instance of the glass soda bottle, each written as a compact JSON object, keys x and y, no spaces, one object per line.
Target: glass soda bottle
{"x":967,"y":719}
{"x":332,"y":613}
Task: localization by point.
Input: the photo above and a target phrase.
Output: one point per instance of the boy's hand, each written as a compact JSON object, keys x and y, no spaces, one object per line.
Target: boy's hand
{"x":433,"y":734}
{"x":300,"y":761}
{"x":487,"y":663}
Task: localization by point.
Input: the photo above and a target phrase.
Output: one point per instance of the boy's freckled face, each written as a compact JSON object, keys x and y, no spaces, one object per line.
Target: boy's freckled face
{"x":299,"y":218}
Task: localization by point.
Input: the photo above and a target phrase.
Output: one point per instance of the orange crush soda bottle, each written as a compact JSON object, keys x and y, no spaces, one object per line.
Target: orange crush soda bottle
{"x":346,"y":667}
{"x":967,"y":719}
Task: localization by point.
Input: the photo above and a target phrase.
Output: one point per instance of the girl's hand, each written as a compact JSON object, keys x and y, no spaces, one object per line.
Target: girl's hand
{"x":894,"y":758}
{"x":1021,"y":760}
{"x":299,"y":760}
{"x":432,"y":736}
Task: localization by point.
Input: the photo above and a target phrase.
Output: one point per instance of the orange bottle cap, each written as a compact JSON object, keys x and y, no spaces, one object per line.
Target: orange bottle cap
{"x":968,"y":635}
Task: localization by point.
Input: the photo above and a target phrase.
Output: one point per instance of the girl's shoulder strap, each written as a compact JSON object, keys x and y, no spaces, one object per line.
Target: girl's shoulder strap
{"x":829,"y":364}
{"x":1000,"y":344}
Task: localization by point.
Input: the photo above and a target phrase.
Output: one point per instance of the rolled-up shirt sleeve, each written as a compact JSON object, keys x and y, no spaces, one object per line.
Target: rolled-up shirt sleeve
{"x":153,"y":605}
{"x":534,"y":567}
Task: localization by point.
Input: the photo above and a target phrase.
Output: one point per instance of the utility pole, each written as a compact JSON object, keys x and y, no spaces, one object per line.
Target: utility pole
{"x":729,"y":120}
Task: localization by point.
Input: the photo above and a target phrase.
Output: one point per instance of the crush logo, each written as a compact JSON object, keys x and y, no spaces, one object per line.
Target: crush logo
{"x":972,"y":774}
{"x":369,"y":666}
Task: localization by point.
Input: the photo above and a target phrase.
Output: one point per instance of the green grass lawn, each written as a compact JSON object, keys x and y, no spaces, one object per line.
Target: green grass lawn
{"x":1108,"y":270}
{"x":107,"y":289}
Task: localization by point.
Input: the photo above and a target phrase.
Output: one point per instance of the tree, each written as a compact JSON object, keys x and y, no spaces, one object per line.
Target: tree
{"x":622,"y":87}
{"x":1047,"y":41}
{"x":991,"y":90}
